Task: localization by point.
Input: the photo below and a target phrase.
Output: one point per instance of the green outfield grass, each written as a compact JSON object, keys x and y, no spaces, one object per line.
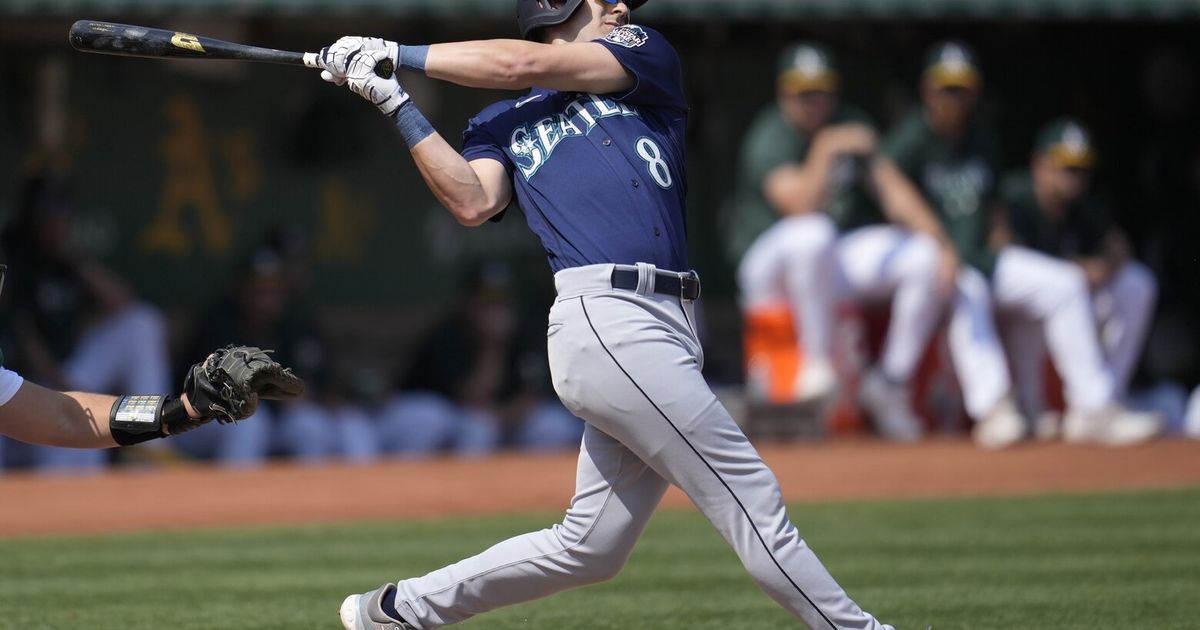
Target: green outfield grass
{"x":1105,"y":561}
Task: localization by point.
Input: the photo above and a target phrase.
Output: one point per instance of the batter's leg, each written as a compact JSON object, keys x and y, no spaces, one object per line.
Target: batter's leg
{"x":630,"y":365}
{"x":615,"y":495}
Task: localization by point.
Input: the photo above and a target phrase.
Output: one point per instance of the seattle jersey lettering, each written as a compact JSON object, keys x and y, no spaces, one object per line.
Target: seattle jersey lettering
{"x":532,"y":144}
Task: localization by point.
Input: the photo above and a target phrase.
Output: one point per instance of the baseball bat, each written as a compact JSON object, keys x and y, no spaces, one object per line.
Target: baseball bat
{"x":107,"y":38}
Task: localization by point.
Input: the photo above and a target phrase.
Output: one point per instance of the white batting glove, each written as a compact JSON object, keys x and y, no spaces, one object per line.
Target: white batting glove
{"x":384,"y":93}
{"x":335,"y":59}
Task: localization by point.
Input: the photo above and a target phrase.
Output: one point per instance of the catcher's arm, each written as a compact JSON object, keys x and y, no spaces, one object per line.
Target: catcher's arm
{"x":38,"y":415}
{"x":225,"y":387}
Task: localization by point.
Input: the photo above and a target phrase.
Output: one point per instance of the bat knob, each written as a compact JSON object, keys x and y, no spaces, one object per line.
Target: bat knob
{"x":385,"y":68}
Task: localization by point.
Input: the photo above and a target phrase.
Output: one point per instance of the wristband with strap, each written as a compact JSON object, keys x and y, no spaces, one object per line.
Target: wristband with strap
{"x":136,"y":419}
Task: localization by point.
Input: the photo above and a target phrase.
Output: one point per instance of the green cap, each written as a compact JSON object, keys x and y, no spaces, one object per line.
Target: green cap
{"x":1067,"y":143}
{"x":952,"y":64}
{"x":805,"y":67}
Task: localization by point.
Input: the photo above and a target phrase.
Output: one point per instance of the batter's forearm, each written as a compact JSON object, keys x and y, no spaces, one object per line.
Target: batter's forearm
{"x":452,"y":180}
{"x":513,"y":64}
{"x":503,"y":64}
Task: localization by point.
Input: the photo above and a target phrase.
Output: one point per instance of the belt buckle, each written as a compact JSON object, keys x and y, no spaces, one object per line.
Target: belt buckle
{"x":683,"y":282}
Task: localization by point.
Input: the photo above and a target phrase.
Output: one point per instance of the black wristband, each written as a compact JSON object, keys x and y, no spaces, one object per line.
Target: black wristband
{"x":136,"y":419}
{"x":174,"y":416}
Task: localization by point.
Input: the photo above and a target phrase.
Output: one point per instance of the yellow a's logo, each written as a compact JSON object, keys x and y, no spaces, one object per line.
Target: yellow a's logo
{"x":189,"y":42}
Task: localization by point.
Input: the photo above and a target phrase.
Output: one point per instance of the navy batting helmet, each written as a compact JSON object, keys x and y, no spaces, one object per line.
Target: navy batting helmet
{"x":534,"y":14}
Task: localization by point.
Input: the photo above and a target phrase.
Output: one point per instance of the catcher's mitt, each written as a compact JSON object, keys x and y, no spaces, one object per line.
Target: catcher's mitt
{"x":226,"y":386}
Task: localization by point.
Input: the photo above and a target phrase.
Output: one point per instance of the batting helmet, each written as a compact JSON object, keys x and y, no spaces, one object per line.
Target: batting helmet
{"x":534,"y":14}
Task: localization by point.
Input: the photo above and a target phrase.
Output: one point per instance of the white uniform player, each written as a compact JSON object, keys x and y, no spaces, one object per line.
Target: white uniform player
{"x":595,"y":157}
{"x":953,"y":158}
{"x":1048,"y":208}
{"x":813,"y":161}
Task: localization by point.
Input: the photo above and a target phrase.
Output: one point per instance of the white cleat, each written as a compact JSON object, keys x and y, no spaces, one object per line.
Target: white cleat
{"x":890,"y":408}
{"x":1112,"y":426}
{"x":1048,"y":426}
{"x":817,"y":381}
{"x":1001,"y":428}
{"x":363,"y":612}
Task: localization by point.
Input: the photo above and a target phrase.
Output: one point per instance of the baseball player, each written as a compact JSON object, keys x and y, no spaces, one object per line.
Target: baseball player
{"x":810,"y":229}
{"x":594,"y":155}
{"x":953,"y":156}
{"x":1050,"y":209}
{"x":226,"y":386}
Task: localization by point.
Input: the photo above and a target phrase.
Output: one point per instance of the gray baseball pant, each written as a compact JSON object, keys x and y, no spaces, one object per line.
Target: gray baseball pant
{"x":629,"y":364}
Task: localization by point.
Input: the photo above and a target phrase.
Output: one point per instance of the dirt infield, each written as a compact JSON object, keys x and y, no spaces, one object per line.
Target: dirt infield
{"x":201,"y":496}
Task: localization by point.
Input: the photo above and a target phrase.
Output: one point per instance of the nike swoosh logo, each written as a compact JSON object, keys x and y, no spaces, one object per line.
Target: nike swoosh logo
{"x":528,"y":99}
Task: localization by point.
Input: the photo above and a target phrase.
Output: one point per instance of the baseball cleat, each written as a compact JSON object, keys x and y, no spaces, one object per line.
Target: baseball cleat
{"x":1002,"y":427}
{"x":817,"y":381}
{"x":1112,"y":426}
{"x":1048,"y":426}
{"x":888,"y":405}
{"x":363,"y":612}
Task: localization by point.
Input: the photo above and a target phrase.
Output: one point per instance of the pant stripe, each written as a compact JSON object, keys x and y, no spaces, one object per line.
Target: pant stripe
{"x":745,"y":512}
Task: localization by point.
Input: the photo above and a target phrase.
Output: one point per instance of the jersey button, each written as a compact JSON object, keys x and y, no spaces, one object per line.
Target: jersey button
{"x":607,"y":142}
{"x":656,"y":232}
{"x":634,"y":182}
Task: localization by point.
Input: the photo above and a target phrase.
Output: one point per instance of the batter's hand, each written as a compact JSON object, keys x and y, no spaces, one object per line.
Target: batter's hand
{"x":386,"y":94}
{"x":336,"y":58}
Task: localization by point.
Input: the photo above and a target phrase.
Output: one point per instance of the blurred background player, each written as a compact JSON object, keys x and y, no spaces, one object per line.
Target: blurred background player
{"x":810,"y":230}
{"x":953,"y":156}
{"x":75,"y":325}
{"x":263,"y":308}
{"x":79,"y":420}
{"x":478,"y":382}
{"x":1051,"y":208}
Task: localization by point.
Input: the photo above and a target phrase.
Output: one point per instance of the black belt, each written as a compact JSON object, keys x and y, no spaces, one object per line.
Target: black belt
{"x":683,"y":287}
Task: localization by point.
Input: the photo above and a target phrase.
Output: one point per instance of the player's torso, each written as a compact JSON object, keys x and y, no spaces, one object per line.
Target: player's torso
{"x":1076,"y":233}
{"x":957,"y":180}
{"x":598,"y":180}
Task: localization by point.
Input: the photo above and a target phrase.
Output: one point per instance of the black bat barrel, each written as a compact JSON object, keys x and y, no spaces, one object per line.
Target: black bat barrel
{"x":140,"y":41}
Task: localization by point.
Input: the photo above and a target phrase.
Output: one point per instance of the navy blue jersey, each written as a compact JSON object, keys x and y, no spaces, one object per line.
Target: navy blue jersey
{"x":600,"y":178}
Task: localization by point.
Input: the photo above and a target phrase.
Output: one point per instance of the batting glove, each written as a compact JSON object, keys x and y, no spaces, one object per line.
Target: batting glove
{"x":384,"y":93}
{"x":335,"y":59}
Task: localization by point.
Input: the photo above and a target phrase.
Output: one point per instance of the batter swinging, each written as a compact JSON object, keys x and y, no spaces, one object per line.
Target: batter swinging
{"x":594,"y":155}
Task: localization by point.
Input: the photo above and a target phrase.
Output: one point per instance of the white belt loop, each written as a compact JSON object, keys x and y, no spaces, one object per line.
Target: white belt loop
{"x":646,"y":273}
